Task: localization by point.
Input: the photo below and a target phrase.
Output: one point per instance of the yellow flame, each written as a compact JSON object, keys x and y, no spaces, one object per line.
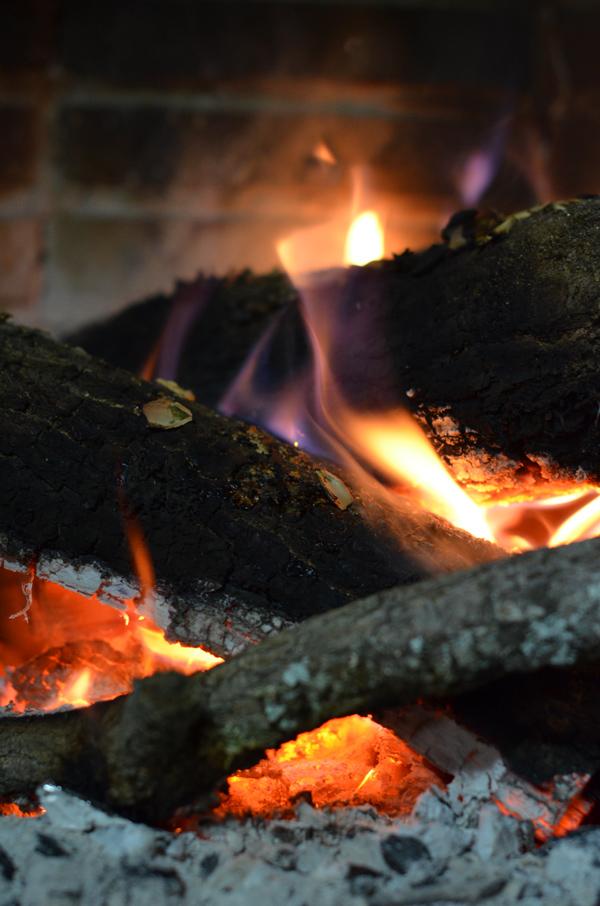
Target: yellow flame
{"x":365,"y":239}
{"x":398,"y":447}
{"x":392,"y":444}
{"x":584,"y":523}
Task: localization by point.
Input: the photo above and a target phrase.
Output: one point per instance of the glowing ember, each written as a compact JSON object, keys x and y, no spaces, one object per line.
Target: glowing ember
{"x":323,"y":153}
{"x":74,"y":650}
{"x":574,"y":814}
{"x":13,"y":810}
{"x":348,"y":761}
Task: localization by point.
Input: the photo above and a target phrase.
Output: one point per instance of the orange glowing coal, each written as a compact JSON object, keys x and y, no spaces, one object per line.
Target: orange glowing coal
{"x":14,"y":810}
{"x":68,"y":650}
{"x":347,"y":761}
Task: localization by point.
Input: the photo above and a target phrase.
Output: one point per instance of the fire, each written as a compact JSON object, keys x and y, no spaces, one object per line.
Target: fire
{"x":72,"y":651}
{"x":397,"y":446}
{"x":365,"y":241}
{"x":312,"y":412}
{"x":14,"y":810}
{"x":347,"y":761}
{"x":63,"y":650}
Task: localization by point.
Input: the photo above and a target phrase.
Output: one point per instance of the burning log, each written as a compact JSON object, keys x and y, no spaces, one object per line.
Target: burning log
{"x":489,"y":339}
{"x":199,"y":336}
{"x":245,"y":533}
{"x":176,"y":737}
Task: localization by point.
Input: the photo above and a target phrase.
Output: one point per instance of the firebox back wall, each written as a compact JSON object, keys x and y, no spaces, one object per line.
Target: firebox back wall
{"x":144,"y":140}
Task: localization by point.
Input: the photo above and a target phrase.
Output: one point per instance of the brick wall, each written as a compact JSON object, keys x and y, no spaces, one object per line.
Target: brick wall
{"x":143,"y":140}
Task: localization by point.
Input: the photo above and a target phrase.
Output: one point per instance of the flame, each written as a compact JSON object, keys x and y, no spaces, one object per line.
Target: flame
{"x":365,"y":240}
{"x":323,"y":153}
{"x":347,"y":761}
{"x":312,"y":412}
{"x":72,"y":650}
{"x":396,"y":445}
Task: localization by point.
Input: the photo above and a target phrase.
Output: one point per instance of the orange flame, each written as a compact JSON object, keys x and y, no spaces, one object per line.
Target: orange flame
{"x":74,"y":650}
{"x":365,"y":239}
{"x":393,"y":445}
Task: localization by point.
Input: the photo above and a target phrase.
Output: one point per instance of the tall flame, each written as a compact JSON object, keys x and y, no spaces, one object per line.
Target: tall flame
{"x":312,"y":411}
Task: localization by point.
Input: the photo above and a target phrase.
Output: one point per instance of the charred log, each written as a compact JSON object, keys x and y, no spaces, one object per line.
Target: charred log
{"x":200,"y":335}
{"x":176,"y":737}
{"x":490,"y":339}
{"x":545,"y":724}
{"x":241,"y":531}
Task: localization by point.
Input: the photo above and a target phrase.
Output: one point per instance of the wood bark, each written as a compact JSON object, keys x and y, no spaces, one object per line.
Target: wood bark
{"x":493,"y":345}
{"x":176,"y":737}
{"x":241,"y":532}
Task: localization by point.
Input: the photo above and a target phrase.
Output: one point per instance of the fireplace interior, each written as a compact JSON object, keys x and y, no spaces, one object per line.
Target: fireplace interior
{"x":299,"y":469}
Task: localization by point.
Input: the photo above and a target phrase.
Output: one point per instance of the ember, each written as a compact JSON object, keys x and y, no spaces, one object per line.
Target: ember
{"x":74,"y":650}
{"x":348,"y":761}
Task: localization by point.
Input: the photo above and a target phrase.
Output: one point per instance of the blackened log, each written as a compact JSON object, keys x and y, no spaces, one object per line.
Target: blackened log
{"x":493,"y":345}
{"x":544,"y":725}
{"x":175,"y":737}
{"x":200,"y":335}
{"x":240,"y":529}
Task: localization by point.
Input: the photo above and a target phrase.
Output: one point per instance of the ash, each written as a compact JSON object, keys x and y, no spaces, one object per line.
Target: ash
{"x":457,"y":847}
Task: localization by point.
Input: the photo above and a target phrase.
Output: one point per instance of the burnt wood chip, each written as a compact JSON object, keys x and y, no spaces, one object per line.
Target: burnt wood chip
{"x":400,"y":852}
{"x":48,"y":846}
{"x":8,"y":868}
{"x":208,"y":864}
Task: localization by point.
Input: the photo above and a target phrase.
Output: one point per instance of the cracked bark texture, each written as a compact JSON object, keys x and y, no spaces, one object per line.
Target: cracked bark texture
{"x":174,"y":738}
{"x":494,"y":346}
{"x":241,"y":532}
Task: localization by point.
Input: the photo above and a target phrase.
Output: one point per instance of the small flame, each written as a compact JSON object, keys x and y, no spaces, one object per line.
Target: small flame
{"x":75,"y":650}
{"x":323,"y":153}
{"x":365,"y":239}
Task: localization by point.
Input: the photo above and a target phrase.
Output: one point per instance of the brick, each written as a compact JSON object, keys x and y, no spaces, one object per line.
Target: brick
{"x":95,"y":267}
{"x":20,"y":264}
{"x":207,"y":164}
{"x":185,"y":160}
{"x":18,"y":148}
{"x":573,"y":163}
{"x":184,"y":42}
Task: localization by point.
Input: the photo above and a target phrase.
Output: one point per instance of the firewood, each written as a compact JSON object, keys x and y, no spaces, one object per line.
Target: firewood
{"x":490,"y":339}
{"x":220,"y":321}
{"x":175,"y":737}
{"x":242,"y":531}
